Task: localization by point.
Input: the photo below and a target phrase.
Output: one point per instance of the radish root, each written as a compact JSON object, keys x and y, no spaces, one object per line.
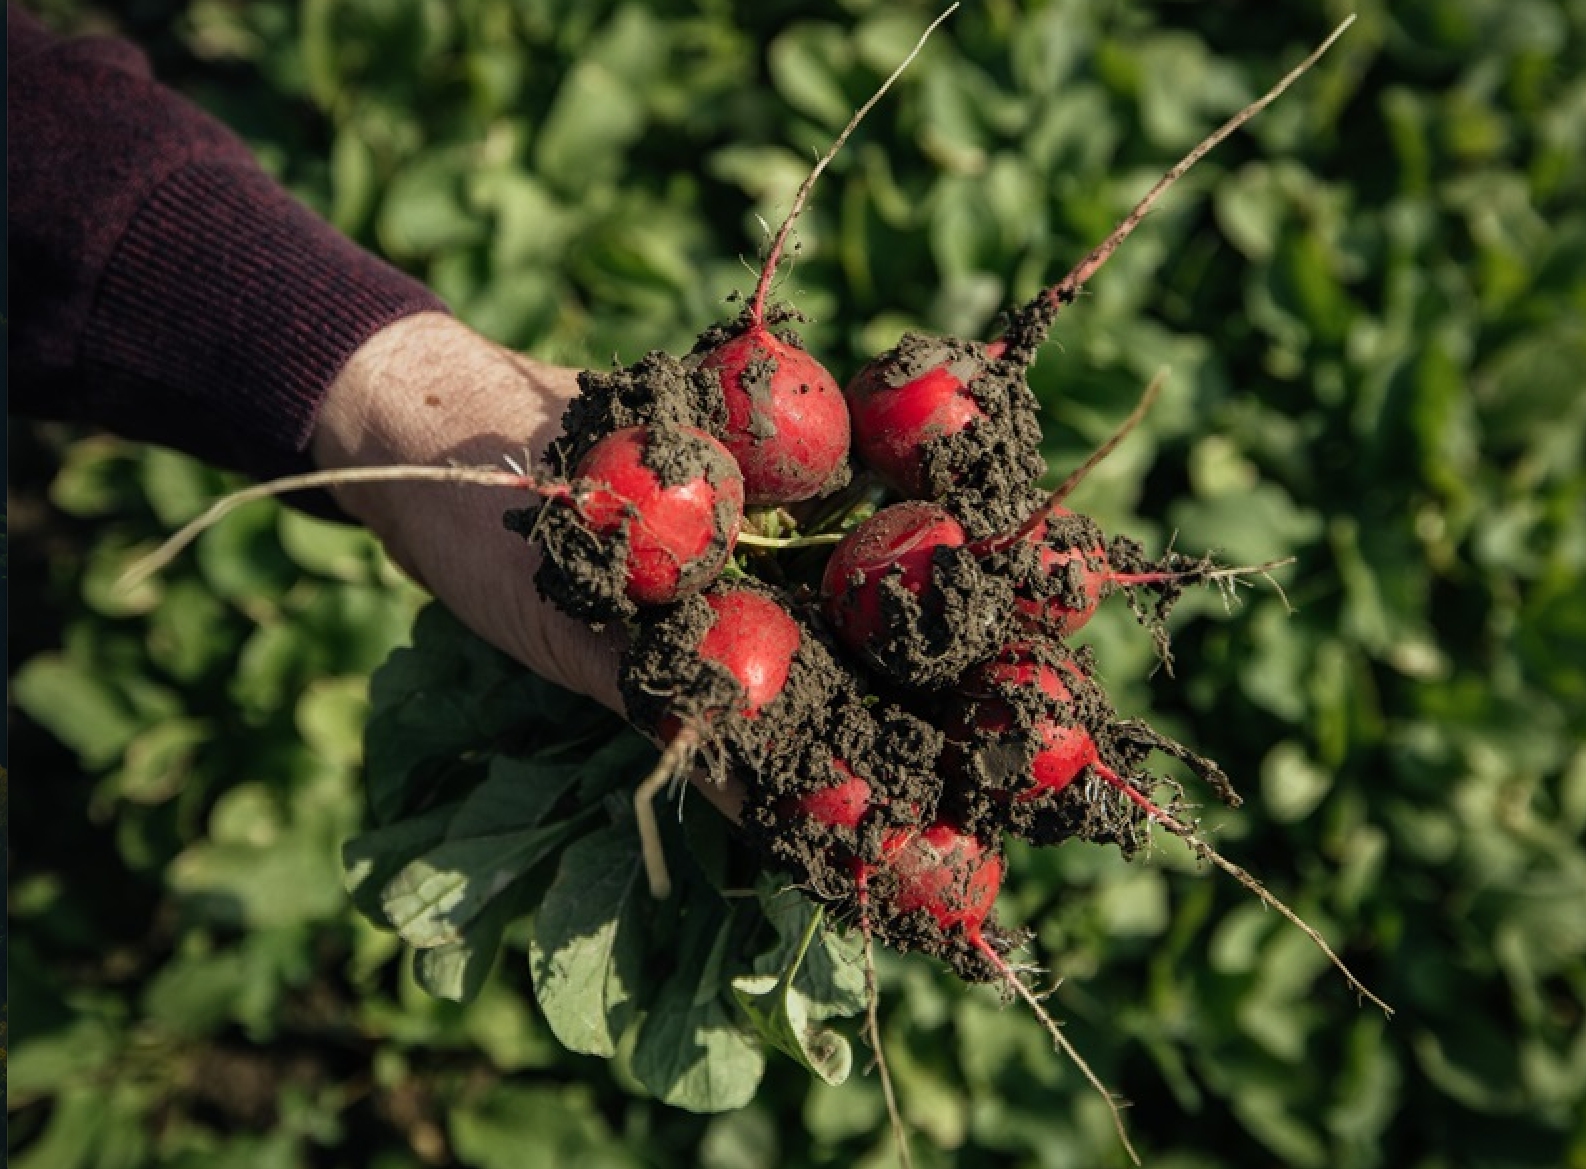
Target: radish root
{"x":673,"y":763}
{"x":1207,"y":853}
{"x":1078,"y":475}
{"x":1045,"y":306}
{"x":900,"y":1132}
{"x":774,"y":256}
{"x":1059,"y":1040}
{"x":157,"y":560}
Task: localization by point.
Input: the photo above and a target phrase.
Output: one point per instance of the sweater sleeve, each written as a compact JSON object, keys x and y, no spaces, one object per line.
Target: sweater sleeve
{"x":162,"y":286}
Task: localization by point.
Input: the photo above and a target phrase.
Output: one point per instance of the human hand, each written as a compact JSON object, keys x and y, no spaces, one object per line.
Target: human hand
{"x":428,"y":389}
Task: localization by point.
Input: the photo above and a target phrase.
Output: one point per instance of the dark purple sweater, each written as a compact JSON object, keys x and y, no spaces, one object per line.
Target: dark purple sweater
{"x":162,"y":286}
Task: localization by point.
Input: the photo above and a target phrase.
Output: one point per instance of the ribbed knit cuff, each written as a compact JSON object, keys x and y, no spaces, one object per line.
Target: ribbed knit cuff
{"x":226,"y":312}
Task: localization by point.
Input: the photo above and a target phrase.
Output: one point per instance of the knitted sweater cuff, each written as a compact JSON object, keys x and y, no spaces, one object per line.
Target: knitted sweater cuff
{"x":226,"y":311}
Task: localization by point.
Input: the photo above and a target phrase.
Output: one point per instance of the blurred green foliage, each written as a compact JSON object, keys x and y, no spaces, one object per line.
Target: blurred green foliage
{"x":1372,"y":301}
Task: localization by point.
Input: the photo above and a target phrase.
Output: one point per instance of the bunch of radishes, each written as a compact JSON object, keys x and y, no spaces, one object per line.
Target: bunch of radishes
{"x":896,"y":706}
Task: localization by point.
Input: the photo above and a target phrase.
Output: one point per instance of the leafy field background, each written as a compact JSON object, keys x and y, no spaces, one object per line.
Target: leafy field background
{"x":1374,"y":305}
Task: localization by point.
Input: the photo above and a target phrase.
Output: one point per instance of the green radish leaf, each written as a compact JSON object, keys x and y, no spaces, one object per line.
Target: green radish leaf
{"x":697,"y":1056}
{"x":98,"y":475}
{"x":197,"y":994}
{"x":192,"y":632}
{"x":178,"y":486}
{"x":782,"y":1016}
{"x":77,"y":1048}
{"x":618,"y":766}
{"x":1255,"y":526}
{"x":424,"y":210}
{"x":80,"y":707}
{"x":242,"y":560}
{"x":434,"y":898}
{"x":330,"y":716}
{"x":516,"y":1126}
{"x":517,"y":793}
{"x":457,"y":970}
{"x":587,"y":953}
{"x":829,"y":965}
{"x":450,"y":694}
{"x":335,"y":551}
{"x":158,"y":763}
{"x":371,"y":860}
{"x":596,"y":118}
{"x":690,"y":1051}
{"x":804,"y":63}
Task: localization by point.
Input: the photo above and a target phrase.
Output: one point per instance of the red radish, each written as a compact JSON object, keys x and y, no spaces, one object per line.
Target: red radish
{"x":934,"y":890}
{"x":841,"y":806}
{"x":787,"y":423}
{"x":1061,"y":569}
{"x":754,"y":639}
{"x":678,"y":522}
{"x":650,"y":517}
{"x":1032,"y":721}
{"x":821,"y":832}
{"x":944,"y":871}
{"x":949,"y":421}
{"x":707,"y":671}
{"x":903,"y":591}
{"x":1061,"y":751}
{"x":1063,"y":574}
{"x":899,"y":542}
{"x":909,"y":397}
{"x":916,"y":421}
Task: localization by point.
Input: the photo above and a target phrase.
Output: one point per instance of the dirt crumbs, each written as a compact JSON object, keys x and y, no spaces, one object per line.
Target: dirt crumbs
{"x":929,"y":638}
{"x":982,"y":473}
{"x":656,"y":389}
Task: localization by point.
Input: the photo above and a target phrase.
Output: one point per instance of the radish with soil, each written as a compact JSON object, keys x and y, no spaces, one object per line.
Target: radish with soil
{"x":731,"y":669}
{"x":650,"y":517}
{"x":905,"y":592}
{"x":1036,"y":723}
{"x":954,"y":420}
{"x":934,"y":890}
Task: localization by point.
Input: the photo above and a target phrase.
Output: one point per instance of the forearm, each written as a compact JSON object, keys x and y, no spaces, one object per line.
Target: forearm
{"x":165,"y":288}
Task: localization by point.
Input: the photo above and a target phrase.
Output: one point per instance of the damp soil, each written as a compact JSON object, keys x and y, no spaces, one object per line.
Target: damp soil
{"x":894,"y":755}
{"x":1066,"y":588}
{"x":658,"y":389}
{"x":1152,"y":603}
{"x":1028,"y":328}
{"x":778,"y":314}
{"x":928,"y":640}
{"x":792,"y":748}
{"x":985,"y":472}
